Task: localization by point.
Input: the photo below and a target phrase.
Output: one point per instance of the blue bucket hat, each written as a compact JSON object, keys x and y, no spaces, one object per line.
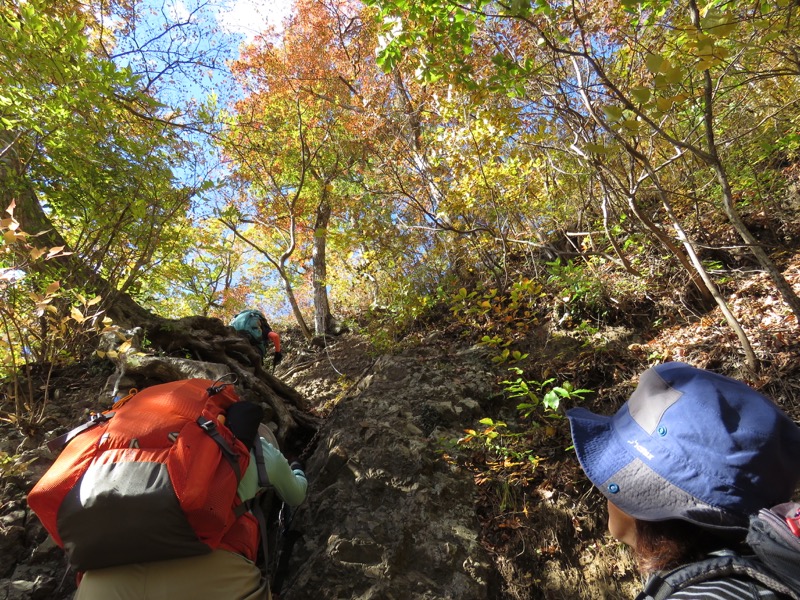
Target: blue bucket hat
{"x":691,"y":445}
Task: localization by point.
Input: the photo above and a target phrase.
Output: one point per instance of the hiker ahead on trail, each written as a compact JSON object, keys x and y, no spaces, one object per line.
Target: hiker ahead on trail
{"x":159,"y":497}
{"x":255,"y":325}
{"x":699,"y":470}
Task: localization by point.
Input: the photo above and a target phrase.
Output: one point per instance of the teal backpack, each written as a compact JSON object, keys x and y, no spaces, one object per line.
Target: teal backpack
{"x":254,"y":324}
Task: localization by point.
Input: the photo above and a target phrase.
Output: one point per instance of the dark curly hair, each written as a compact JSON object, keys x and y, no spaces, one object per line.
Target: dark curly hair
{"x":664,"y":545}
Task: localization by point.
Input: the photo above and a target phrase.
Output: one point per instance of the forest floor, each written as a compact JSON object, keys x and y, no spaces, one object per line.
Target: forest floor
{"x":526,"y":548}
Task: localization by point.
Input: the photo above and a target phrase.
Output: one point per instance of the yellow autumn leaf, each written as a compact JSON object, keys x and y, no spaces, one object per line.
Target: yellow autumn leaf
{"x":613,"y":113}
{"x":653,"y":62}
{"x":664,"y":104}
{"x":673,"y":75}
{"x":597,"y":149}
{"x":641,"y":94}
{"x":706,"y":64}
{"x":37,"y":252}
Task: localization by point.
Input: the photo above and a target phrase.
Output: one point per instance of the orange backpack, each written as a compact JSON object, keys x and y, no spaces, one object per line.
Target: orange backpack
{"x":154,"y":478}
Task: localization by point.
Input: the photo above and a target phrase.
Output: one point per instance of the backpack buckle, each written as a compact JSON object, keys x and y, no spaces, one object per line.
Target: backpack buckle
{"x":206,"y":425}
{"x":96,"y":418}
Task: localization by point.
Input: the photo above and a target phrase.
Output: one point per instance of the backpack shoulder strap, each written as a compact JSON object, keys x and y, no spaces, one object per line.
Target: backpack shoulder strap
{"x":726,"y":565}
{"x":210,"y":427}
{"x":253,"y":505}
{"x":261,"y":465}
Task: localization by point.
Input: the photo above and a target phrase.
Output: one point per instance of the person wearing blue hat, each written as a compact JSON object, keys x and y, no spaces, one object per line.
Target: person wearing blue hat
{"x":684,"y":464}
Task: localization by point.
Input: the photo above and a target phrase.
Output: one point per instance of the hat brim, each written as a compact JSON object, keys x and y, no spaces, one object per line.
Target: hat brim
{"x":599,"y":450}
{"x":632,"y":486}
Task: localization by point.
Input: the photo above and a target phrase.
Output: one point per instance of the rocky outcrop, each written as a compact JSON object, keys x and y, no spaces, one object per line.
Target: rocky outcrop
{"x":387,"y":516}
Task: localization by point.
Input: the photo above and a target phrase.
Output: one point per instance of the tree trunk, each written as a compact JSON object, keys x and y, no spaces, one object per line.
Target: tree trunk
{"x":298,"y":314}
{"x":730,"y":318}
{"x":322,"y":312}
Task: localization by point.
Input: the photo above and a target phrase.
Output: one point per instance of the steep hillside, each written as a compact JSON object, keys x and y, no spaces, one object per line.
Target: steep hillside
{"x":397,"y":506}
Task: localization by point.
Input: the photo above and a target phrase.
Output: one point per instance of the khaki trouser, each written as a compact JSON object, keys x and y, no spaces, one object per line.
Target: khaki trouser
{"x":220,"y":575}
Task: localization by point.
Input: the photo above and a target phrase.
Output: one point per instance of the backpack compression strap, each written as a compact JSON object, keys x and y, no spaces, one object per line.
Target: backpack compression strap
{"x":722,"y":566}
{"x":61,"y":441}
